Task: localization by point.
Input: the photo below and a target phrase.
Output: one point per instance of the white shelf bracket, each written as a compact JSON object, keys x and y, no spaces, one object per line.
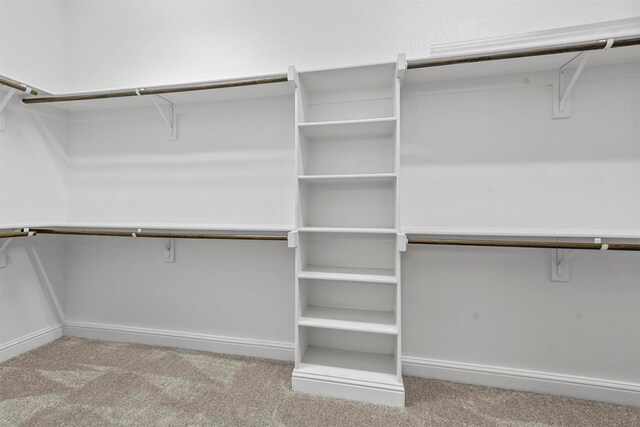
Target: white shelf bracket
{"x":292,"y":239}
{"x":171,"y":119}
{"x":170,"y":253}
{"x":403,"y":241}
{"x":3,"y":105}
{"x":401,"y":66}
{"x":560,"y":265}
{"x":292,"y":76}
{"x":5,"y":246}
{"x":562,"y":89}
{"x":3,"y":253}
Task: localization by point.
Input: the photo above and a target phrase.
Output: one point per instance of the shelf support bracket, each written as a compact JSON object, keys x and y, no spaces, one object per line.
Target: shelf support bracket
{"x":171,"y":120}
{"x":401,"y":66}
{"x":292,"y":239}
{"x":170,"y":253}
{"x":3,"y":105}
{"x":5,"y":247}
{"x":562,"y":89}
{"x":403,"y":241}
{"x":560,"y":263}
{"x":292,"y":76}
{"x":3,"y":253}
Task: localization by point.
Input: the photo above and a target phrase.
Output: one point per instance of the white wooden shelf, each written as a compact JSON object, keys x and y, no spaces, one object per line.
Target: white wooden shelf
{"x":383,"y":127}
{"x":349,"y":274}
{"x":355,"y":365}
{"x":381,"y":322}
{"x":349,"y":178}
{"x":360,"y":230}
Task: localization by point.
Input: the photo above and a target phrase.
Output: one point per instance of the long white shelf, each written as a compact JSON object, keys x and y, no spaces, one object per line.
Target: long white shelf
{"x":345,"y":319}
{"x":524,"y":232}
{"x":157,"y":226}
{"x":349,"y":274}
{"x":356,"y":365}
{"x":349,"y":178}
{"x":362,"y":128}
{"x":362,"y":230}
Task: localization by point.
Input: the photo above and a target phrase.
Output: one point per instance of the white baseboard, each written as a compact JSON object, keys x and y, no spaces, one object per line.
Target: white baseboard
{"x":192,"y":341}
{"x":29,"y":342}
{"x":364,"y":391}
{"x":618,"y":392}
{"x":621,"y":393}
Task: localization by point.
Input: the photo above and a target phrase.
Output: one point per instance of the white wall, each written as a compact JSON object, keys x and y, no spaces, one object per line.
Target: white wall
{"x":498,"y":307}
{"x":30,"y":285}
{"x":33,"y":169}
{"x":491,"y":158}
{"x":231,"y":165}
{"x":33,"y":190}
{"x":160,"y":42}
{"x":490,"y":307}
{"x":34,"y":43}
{"x":237,"y":289}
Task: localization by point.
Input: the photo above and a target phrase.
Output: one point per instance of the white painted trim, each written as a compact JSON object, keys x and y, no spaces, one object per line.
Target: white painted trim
{"x":618,"y":392}
{"x":573,"y":34}
{"x":192,"y":341}
{"x":30,"y":341}
{"x":344,"y":388}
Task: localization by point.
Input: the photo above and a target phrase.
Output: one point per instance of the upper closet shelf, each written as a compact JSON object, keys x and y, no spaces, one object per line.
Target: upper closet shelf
{"x":188,"y":93}
{"x":500,"y":67}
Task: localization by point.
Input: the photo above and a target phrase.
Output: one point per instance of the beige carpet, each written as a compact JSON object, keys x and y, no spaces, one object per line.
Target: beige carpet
{"x":81,"y":382}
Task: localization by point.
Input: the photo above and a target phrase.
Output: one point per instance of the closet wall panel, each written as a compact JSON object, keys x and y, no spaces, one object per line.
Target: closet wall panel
{"x":224,"y":288}
{"x":486,"y":155}
{"x":232,"y":164}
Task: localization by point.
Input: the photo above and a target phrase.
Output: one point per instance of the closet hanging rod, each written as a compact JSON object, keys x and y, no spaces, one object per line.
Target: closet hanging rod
{"x":155,"y":234}
{"x":158,"y":90}
{"x":16,"y":234}
{"x":524,"y":52}
{"x":528,"y":244}
{"x":17,"y":85}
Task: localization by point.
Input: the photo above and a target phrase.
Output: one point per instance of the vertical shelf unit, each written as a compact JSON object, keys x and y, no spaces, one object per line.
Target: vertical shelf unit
{"x":347,"y":239}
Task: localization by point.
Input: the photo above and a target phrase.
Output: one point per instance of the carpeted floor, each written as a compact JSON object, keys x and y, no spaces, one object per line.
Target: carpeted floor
{"x":80,"y":382}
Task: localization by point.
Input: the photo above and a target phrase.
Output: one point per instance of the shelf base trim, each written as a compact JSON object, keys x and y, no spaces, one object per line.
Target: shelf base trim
{"x":381,"y":394}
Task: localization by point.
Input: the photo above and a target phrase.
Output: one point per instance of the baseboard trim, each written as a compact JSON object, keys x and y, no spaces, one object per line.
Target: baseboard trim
{"x":30,"y":341}
{"x":621,"y":393}
{"x":364,"y":391}
{"x":192,"y":341}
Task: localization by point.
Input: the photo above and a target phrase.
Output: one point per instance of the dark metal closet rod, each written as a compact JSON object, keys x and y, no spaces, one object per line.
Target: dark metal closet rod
{"x":14,"y":234}
{"x":158,"y":90}
{"x":154,"y":234}
{"x":528,"y":244}
{"x":17,"y":85}
{"x":522,"y":53}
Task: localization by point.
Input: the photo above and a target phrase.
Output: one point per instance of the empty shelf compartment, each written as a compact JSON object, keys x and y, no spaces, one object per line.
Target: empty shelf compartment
{"x":346,"y":354}
{"x":348,"y":204}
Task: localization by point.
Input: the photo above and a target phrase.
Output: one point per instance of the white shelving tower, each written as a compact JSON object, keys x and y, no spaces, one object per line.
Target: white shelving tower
{"x":347,"y":237}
